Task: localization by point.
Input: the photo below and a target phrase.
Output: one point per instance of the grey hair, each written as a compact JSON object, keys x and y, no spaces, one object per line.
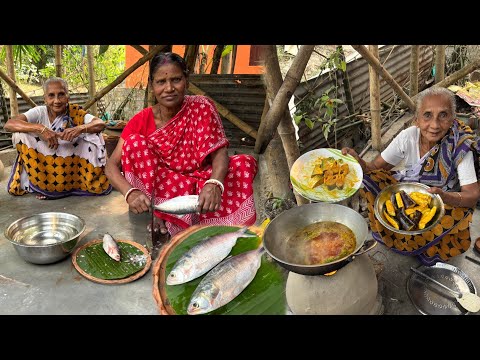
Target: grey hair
{"x":433,"y":91}
{"x":55,"y":80}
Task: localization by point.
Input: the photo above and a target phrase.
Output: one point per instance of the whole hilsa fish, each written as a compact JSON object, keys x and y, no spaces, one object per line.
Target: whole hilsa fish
{"x":225,"y":282}
{"x":204,"y":256}
{"x":179,"y":205}
{"x":111,"y":247}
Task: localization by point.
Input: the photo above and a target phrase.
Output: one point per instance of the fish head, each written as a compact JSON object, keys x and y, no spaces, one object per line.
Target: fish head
{"x":199,"y":304}
{"x":204,"y":300}
{"x":175,"y":277}
{"x":181,"y":272}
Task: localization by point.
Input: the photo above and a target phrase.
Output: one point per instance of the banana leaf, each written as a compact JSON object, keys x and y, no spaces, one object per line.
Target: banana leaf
{"x":96,"y":262}
{"x":265,"y":295}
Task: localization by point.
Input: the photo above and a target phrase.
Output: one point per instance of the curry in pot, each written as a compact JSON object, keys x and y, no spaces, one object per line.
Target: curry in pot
{"x":320,"y":243}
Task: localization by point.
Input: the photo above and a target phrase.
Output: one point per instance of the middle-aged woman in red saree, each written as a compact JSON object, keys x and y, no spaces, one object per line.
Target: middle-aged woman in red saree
{"x":179,"y":147}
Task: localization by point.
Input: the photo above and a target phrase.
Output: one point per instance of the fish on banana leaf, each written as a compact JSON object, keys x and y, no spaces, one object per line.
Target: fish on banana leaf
{"x":225,"y":282}
{"x":111,"y":247}
{"x":204,"y":256}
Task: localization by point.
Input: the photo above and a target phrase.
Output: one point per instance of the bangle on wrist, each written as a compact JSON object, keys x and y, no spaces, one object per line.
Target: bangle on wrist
{"x":129,"y":192}
{"x":44,"y":128}
{"x":460,"y":198}
{"x":215,"y":182}
{"x":85,"y":127}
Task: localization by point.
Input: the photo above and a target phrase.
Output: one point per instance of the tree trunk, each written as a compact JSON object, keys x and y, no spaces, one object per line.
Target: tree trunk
{"x":91,"y":78}
{"x":376,"y":125}
{"x":286,"y":130}
{"x":346,"y":84}
{"x":122,"y":77}
{"x":277,"y":168}
{"x":414,"y":70}
{"x":58,"y":61}
{"x":362,"y":50}
{"x":269,"y":124}
{"x":439,"y":63}
{"x":11,"y":74}
{"x":217,"y":55}
{"x":191,"y":53}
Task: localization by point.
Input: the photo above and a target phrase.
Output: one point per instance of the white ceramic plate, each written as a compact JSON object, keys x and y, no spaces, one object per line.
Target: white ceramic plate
{"x":300,"y":176}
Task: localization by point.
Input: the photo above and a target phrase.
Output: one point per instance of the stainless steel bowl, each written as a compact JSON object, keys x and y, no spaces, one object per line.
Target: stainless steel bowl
{"x":408,"y":188}
{"x":45,"y":238}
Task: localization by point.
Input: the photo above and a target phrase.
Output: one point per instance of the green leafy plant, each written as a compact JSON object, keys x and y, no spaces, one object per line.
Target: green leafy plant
{"x":312,"y":110}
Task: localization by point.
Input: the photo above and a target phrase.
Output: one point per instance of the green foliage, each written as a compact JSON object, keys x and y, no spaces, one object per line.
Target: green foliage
{"x":322,"y":110}
{"x":34,"y":63}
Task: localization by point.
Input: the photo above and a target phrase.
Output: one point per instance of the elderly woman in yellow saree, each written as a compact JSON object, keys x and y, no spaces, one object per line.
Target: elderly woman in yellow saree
{"x":60,"y":149}
{"x":438,"y":151}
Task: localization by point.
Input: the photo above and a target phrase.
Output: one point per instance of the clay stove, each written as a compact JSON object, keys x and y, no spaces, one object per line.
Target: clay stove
{"x":351,"y":290}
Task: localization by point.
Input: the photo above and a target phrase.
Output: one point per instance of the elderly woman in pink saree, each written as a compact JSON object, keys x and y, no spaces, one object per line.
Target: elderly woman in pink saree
{"x":178,"y":147}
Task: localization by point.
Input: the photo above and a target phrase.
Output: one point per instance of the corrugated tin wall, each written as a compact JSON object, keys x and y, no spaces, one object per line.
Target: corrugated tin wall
{"x":395,"y":59}
{"x":243,"y":95}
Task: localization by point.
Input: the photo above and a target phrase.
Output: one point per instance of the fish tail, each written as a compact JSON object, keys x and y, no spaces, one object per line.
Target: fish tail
{"x":243,"y":232}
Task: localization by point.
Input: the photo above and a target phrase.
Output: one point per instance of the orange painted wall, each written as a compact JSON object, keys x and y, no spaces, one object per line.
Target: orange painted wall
{"x":140,"y":76}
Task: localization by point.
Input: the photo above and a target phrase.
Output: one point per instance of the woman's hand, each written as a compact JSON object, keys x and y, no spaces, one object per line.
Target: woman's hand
{"x":69,"y":134}
{"x":50,"y":137}
{"x":352,"y":152}
{"x":210,"y":198}
{"x":138,"y":202}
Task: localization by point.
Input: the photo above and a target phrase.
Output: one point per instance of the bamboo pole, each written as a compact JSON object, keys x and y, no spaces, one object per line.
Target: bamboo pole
{"x":452,"y":79}
{"x":14,"y":86}
{"x":91,"y":78}
{"x":362,"y":50}
{"x":58,"y":60}
{"x":122,"y":77}
{"x":376,"y":125}
{"x":11,"y":73}
{"x":235,"y":120}
{"x":269,"y":124}
{"x":439,"y":63}
{"x":414,"y":70}
{"x":449,"y":80}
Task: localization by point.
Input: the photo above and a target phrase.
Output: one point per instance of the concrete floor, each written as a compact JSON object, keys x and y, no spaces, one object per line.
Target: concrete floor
{"x":59,"y":289}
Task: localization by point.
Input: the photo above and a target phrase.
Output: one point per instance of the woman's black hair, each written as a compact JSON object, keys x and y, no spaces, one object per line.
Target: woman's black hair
{"x":167,"y":58}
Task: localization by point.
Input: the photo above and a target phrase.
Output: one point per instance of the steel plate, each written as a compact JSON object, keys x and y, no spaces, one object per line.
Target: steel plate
{"x":431,"y":299}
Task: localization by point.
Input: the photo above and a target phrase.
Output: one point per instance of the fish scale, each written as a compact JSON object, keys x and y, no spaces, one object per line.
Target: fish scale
{"x":225,"y":282}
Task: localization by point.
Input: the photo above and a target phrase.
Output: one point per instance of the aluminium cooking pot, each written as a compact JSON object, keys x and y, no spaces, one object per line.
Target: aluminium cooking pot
{"x":281,"y":229}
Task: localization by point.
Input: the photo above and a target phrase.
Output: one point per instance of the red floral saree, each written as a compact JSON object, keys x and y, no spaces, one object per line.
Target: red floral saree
{"x":174,"y":159}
